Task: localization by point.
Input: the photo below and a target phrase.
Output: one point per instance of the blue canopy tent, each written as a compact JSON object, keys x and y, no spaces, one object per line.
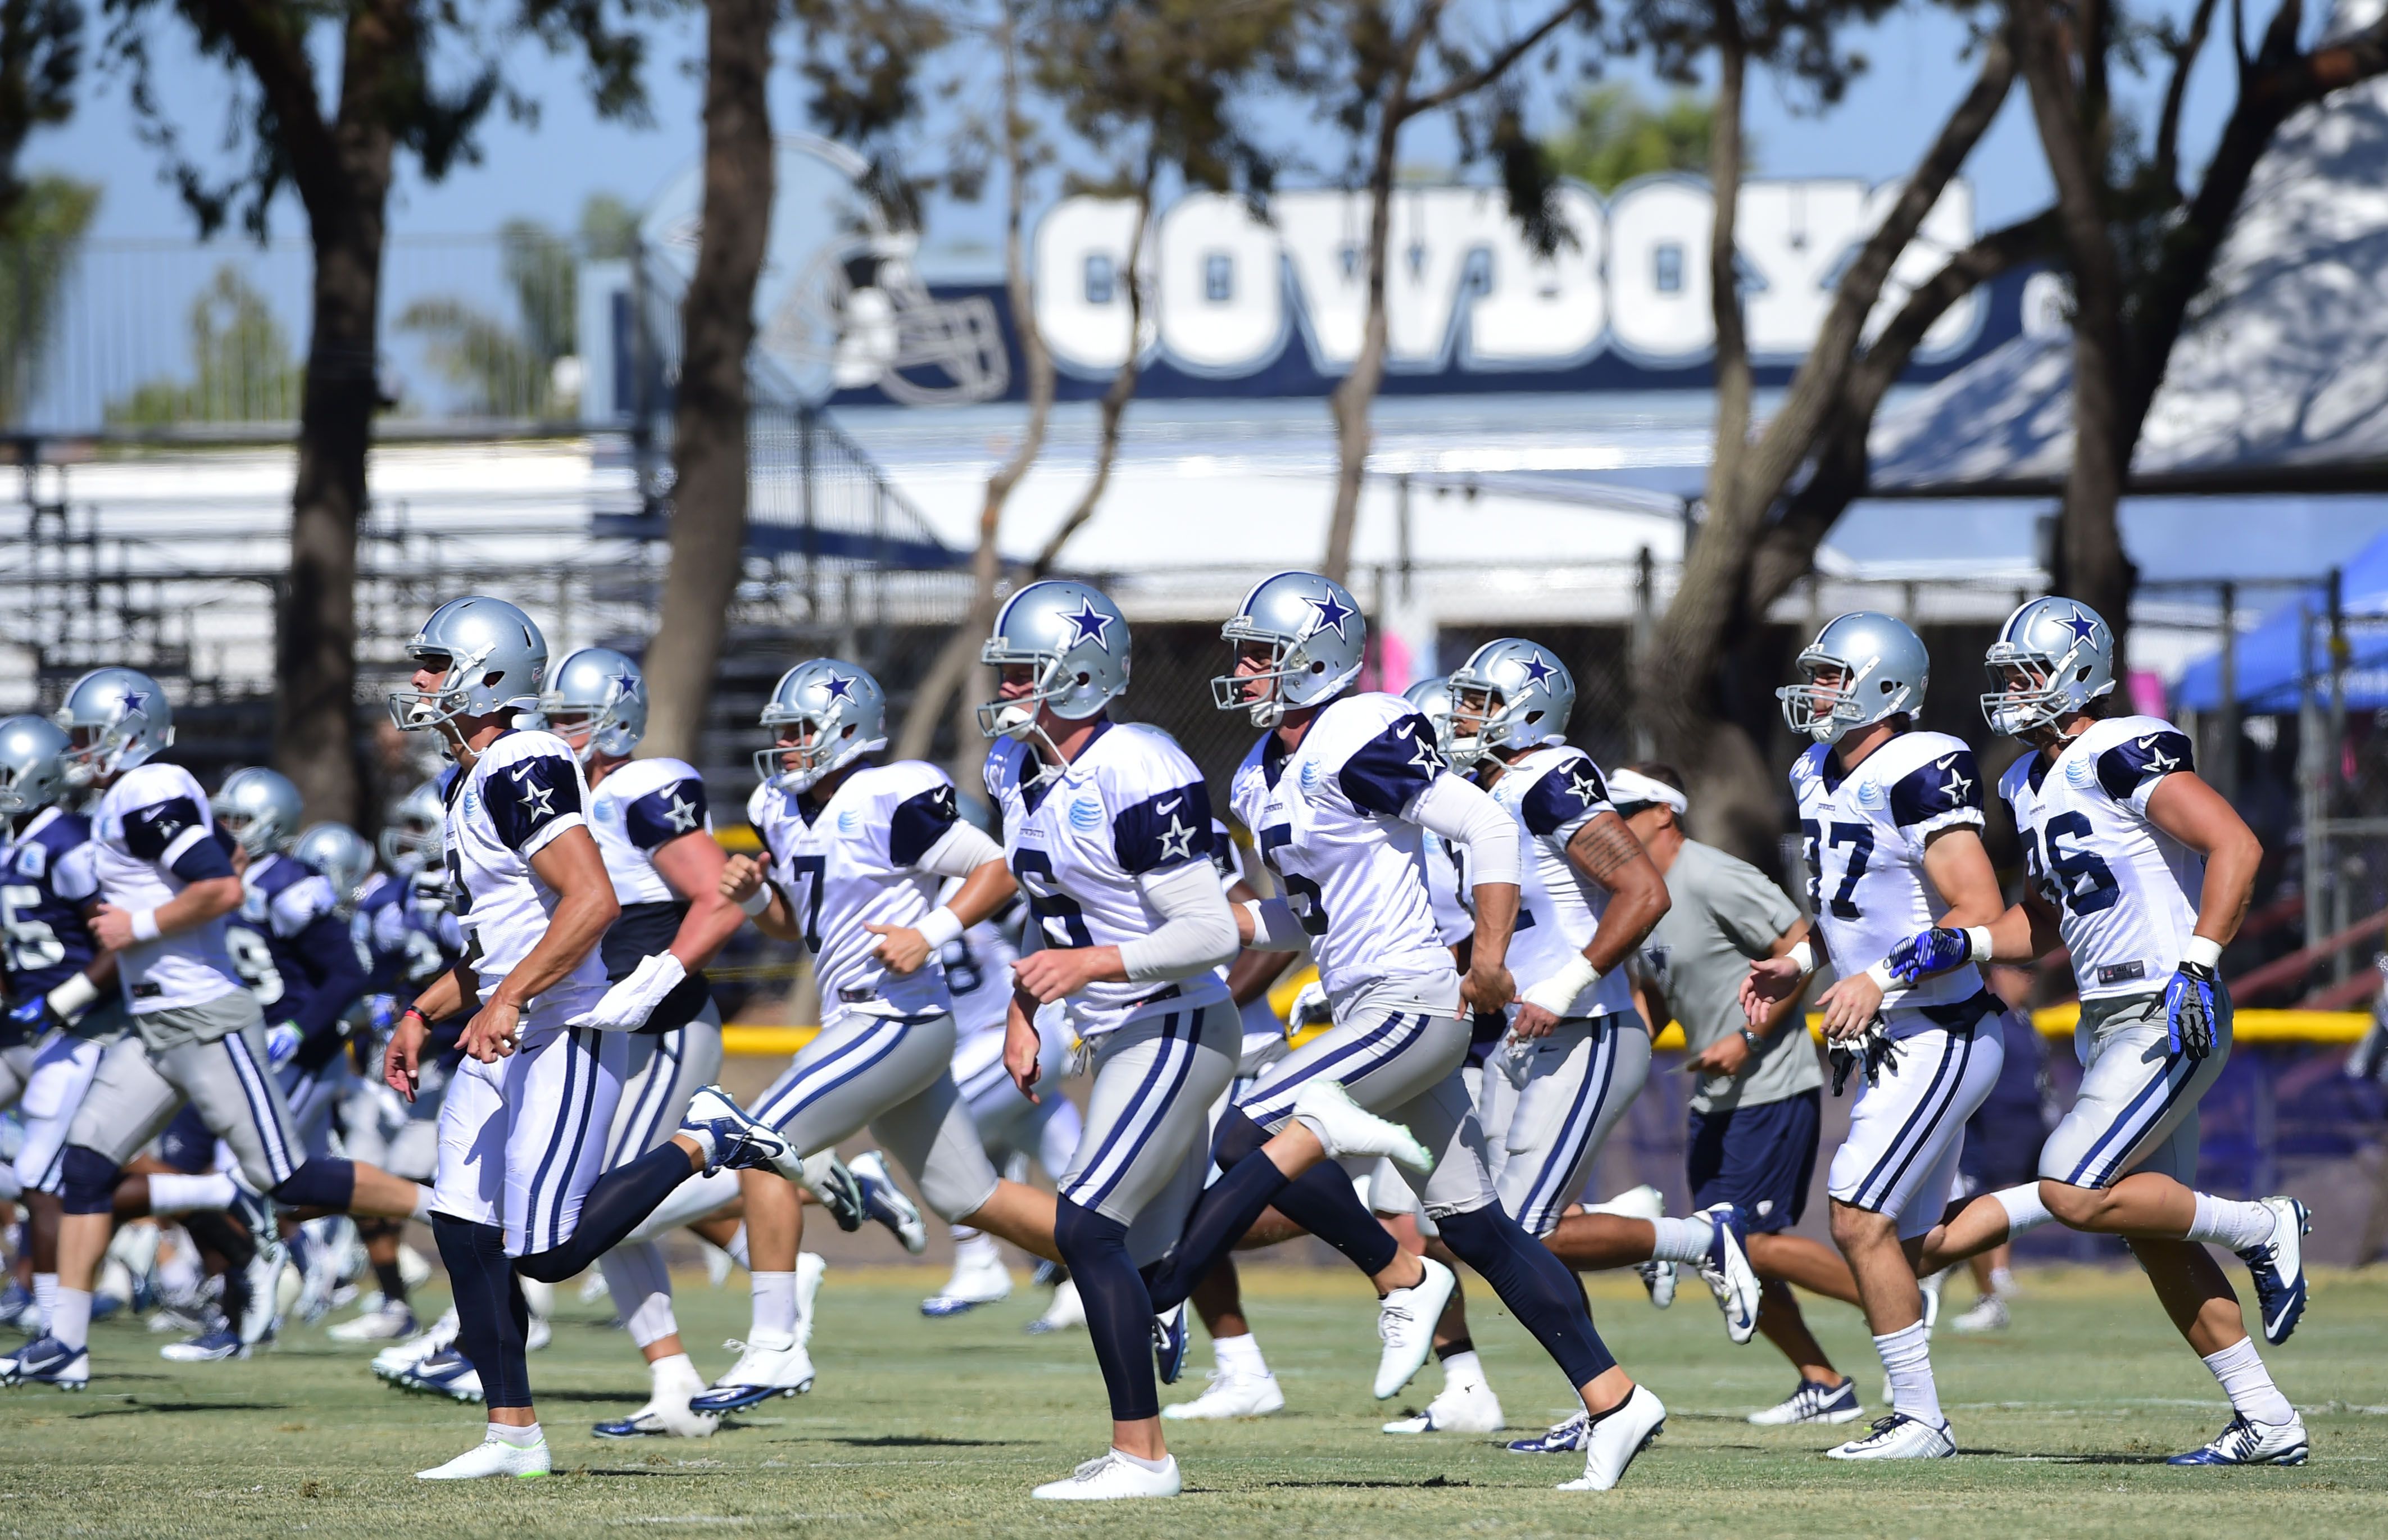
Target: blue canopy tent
{"x":2272,"y":660}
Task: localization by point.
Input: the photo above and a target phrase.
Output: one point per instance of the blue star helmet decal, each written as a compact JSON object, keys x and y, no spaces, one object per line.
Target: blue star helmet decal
{"x":1538,"y":671}
{"x":1092,"y":625}
{"x":136,"y":700}
{"x":624,"y":685}
{"x":837,"y":687}
{"x":1332,"y":613}
{"x":2083,"y":627}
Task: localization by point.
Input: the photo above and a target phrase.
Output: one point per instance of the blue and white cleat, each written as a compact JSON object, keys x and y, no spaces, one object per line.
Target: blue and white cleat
{"x":2249,"y":1443}
{"x":260,"y":1293}
{"x":1169,"y":1343}
{"x":1729,"y":1274}
{"x":16,"y":1303}
{"x":836,"y":1189}
{"x":213,"y":1348}
{"x":1813,"y":1402}
{"x":760,"y":1374}
{"x":978,"y":1278}
{"x":1564,"y":1438}
{"x":446,"y":1372}
{"x":736,"y":1141}
{"x":885,"y":1202}
{"x":47,"y":1361}
{"x":2278,"y":1269}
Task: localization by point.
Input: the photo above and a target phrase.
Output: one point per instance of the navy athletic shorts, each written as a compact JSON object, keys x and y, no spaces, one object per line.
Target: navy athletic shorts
{"x":1759,"y":1159}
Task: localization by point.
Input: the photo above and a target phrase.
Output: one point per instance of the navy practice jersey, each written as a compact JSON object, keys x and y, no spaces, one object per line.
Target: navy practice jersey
{"x":46,"y":878}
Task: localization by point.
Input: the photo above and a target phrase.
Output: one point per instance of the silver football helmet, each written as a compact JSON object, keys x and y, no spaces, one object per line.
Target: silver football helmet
{"x":824,"y":714}
{"x":490,"y":658}
{"x":123,"y":718}
{"x":1518,"y":692}
{"x":602,"y":690}
{"x":2061,"y":652}
{"x":341,"y":855}
{"x":1432,"y":698}
{"x":32,"y":764}
{"x":1077,"y":642}
{"x":416,"y":827}
{"x":259,"y":807}
{"x":1316,"y":641}
{"x":1883,"y":669}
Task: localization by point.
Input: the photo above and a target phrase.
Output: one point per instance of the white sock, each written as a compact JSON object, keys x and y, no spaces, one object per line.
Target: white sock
{"x":2249,"y":1384}
{"x":737,"y":1247}
{"x":422,"y":1203}
{"x":675,"y":1374}
{"x":1155,"y":1466}
{"x":71,"y":1317}
{"x":2024,"y":1211}
{"x":703,"y":1137}
{"x":1907,"y":1358}
{"x":2229,"y":1222}
{"x":1240,"y":1357}
{"x":1685,"y":1239}
{"x":1464,"y":1371}
{"x":775,"y":1310}
{"x":2002,"y":1283}
{"x":520,"y":1438}
{"x":45,"y":1297}
{"x":975,"y":1249}
{"x":174,"y":1193}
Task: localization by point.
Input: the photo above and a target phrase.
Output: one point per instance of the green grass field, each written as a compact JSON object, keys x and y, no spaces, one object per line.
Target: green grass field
{"x":920,"y":1426}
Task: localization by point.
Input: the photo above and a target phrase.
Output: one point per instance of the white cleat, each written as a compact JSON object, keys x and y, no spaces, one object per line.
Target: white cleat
{"x":1067,"y":1313}
{"x":663,"y":1417}
{"x":1405,"y":1320}
{"x":397,"y":1360}
{"x":1659,"y":1279}
{"x":2247,"y":1442}
{"x":1616,"y":1437}
{"x":1231,"y":1396}
{"x":2278,"y":1267}
{"x":1636,"y":1202}
{"x":1900,"y":1436}
{"x":385,"y":1322}
{"x":1729,"y":1274}
{"x":493,"y":1457}
{"x":1347,"y":1129}
{"x":1459,"y":1409}
{"x":1813,"y":1402}
{"x":1988,"y":1314}
{"x":759,"y":1375}
{"x":1108,"y":1478}
{"x":594,"y":1287}
{"x":979,"y":1279}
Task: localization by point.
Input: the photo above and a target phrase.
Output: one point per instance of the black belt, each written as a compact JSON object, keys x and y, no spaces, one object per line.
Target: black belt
{"x":1964,"y":1014}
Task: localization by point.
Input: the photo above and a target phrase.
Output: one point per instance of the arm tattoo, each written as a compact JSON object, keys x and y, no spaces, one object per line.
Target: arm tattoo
{"x":1604,"y":846}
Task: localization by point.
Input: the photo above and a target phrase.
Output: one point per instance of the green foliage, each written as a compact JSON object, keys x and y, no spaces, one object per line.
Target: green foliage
{"x":244,"y":369}
{"x":1616,"y":136}
{"x":41,"y":237}
{"x":41,"y":58}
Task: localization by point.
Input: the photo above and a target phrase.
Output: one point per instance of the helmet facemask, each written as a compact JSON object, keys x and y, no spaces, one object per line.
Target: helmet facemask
{"x":2049,"y":688}
{"x":1827,"y":712}
{"x":1285,"y":668}
{"x":1049,"y":684}
{"x":417,"y":710}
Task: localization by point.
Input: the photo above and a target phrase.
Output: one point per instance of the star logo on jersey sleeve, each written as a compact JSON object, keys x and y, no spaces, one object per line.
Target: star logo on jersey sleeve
{"x":1426,"y":757}
{"x":1958,"y":784}
{"x":2158,"y":760}
{"x":1584,"y":787}
{"x":1332,"y":614}
{"x":1090,"y":625}
{"x":679,"y":814}
{"x":1177,"y":840}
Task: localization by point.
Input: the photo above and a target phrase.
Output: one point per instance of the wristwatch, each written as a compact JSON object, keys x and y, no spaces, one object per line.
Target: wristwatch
{"x":1756,"y":1044}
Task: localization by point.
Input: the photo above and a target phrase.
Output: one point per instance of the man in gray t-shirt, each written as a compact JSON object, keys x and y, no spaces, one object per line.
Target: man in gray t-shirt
{"x":1756,"y":1109}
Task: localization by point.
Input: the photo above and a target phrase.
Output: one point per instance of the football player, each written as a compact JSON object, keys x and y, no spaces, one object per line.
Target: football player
{"x":165,"y":886}
{"x":1892,"y":820}
{"x":522,"y":1129}
{"x":1109,"y":828}
{"x":1342,"y":789}
{"x":653,"y":827}
{"x":63,"y":1006}
{"x":2142,"y":872}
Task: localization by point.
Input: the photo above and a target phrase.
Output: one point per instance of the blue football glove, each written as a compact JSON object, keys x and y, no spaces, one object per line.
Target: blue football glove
{"x":1932,"y":951}
{"x":382,"y":1011}
{"x":282,"y":1040}
{"x":25,"y":1020}
{"x":2189,"y":1010}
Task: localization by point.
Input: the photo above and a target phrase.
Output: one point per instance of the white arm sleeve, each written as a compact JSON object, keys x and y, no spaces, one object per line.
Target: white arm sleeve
{"x":1197,"y":930}
{"x":960,"y":851}
{"x":1468,"y":817}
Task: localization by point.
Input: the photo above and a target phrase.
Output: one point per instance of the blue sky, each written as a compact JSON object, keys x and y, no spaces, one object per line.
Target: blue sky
{"x":546,"y":171}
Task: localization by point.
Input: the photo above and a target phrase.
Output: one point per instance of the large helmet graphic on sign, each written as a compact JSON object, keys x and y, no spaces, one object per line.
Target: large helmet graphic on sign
{"x":841,"y":306}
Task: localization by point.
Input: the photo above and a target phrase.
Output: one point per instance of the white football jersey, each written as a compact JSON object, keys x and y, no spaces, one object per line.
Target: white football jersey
{"x":2124,"y":891}
{"x":146,"y":826}
{"x":1329,"y":819}
{"x":855,"y":860}
{"x":1552,"y":792}
{"x":1079,"y":837}
{"x":978,"y":975}
{"x":638,"y":808}
{"x":1865,"y":831}
{"x":522,"y":791}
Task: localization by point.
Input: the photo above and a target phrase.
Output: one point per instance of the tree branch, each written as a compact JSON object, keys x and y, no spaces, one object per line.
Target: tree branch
{"x":1498,"y":65}
{"x":2184,"y":56}
{"x":260,"y":34}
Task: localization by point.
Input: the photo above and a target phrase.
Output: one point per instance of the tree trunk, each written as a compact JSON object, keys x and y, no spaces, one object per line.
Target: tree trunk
{"x":955,"y":675}
{"x":344,"y":179}
{"x":709,"y":417}
{"x":1357,"y":394}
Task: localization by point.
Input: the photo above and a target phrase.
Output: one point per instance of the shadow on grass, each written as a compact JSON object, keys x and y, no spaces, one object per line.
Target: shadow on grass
{"x":1431,"y":1481}
{"x":2036,"y":1458}
{"x":917,"y":1440}
{"x":140,"y":1408}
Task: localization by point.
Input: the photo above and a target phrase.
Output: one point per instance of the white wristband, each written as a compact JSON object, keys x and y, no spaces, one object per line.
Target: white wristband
{"x":1803,"y":957}
{"x":74,"y":996}
{"x":1880,"y":973}
{"x":1977,"y":942}
{"x":757,"y":901}
{"x":145,"y":924}
{"x":2203,"y":950}
{"x":939,"y":926}
{"x":1561,"y":989}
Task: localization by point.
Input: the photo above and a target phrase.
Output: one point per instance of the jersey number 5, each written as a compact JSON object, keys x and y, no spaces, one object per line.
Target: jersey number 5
{"x":1301,"y":895}
{"x":31,"y":945}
